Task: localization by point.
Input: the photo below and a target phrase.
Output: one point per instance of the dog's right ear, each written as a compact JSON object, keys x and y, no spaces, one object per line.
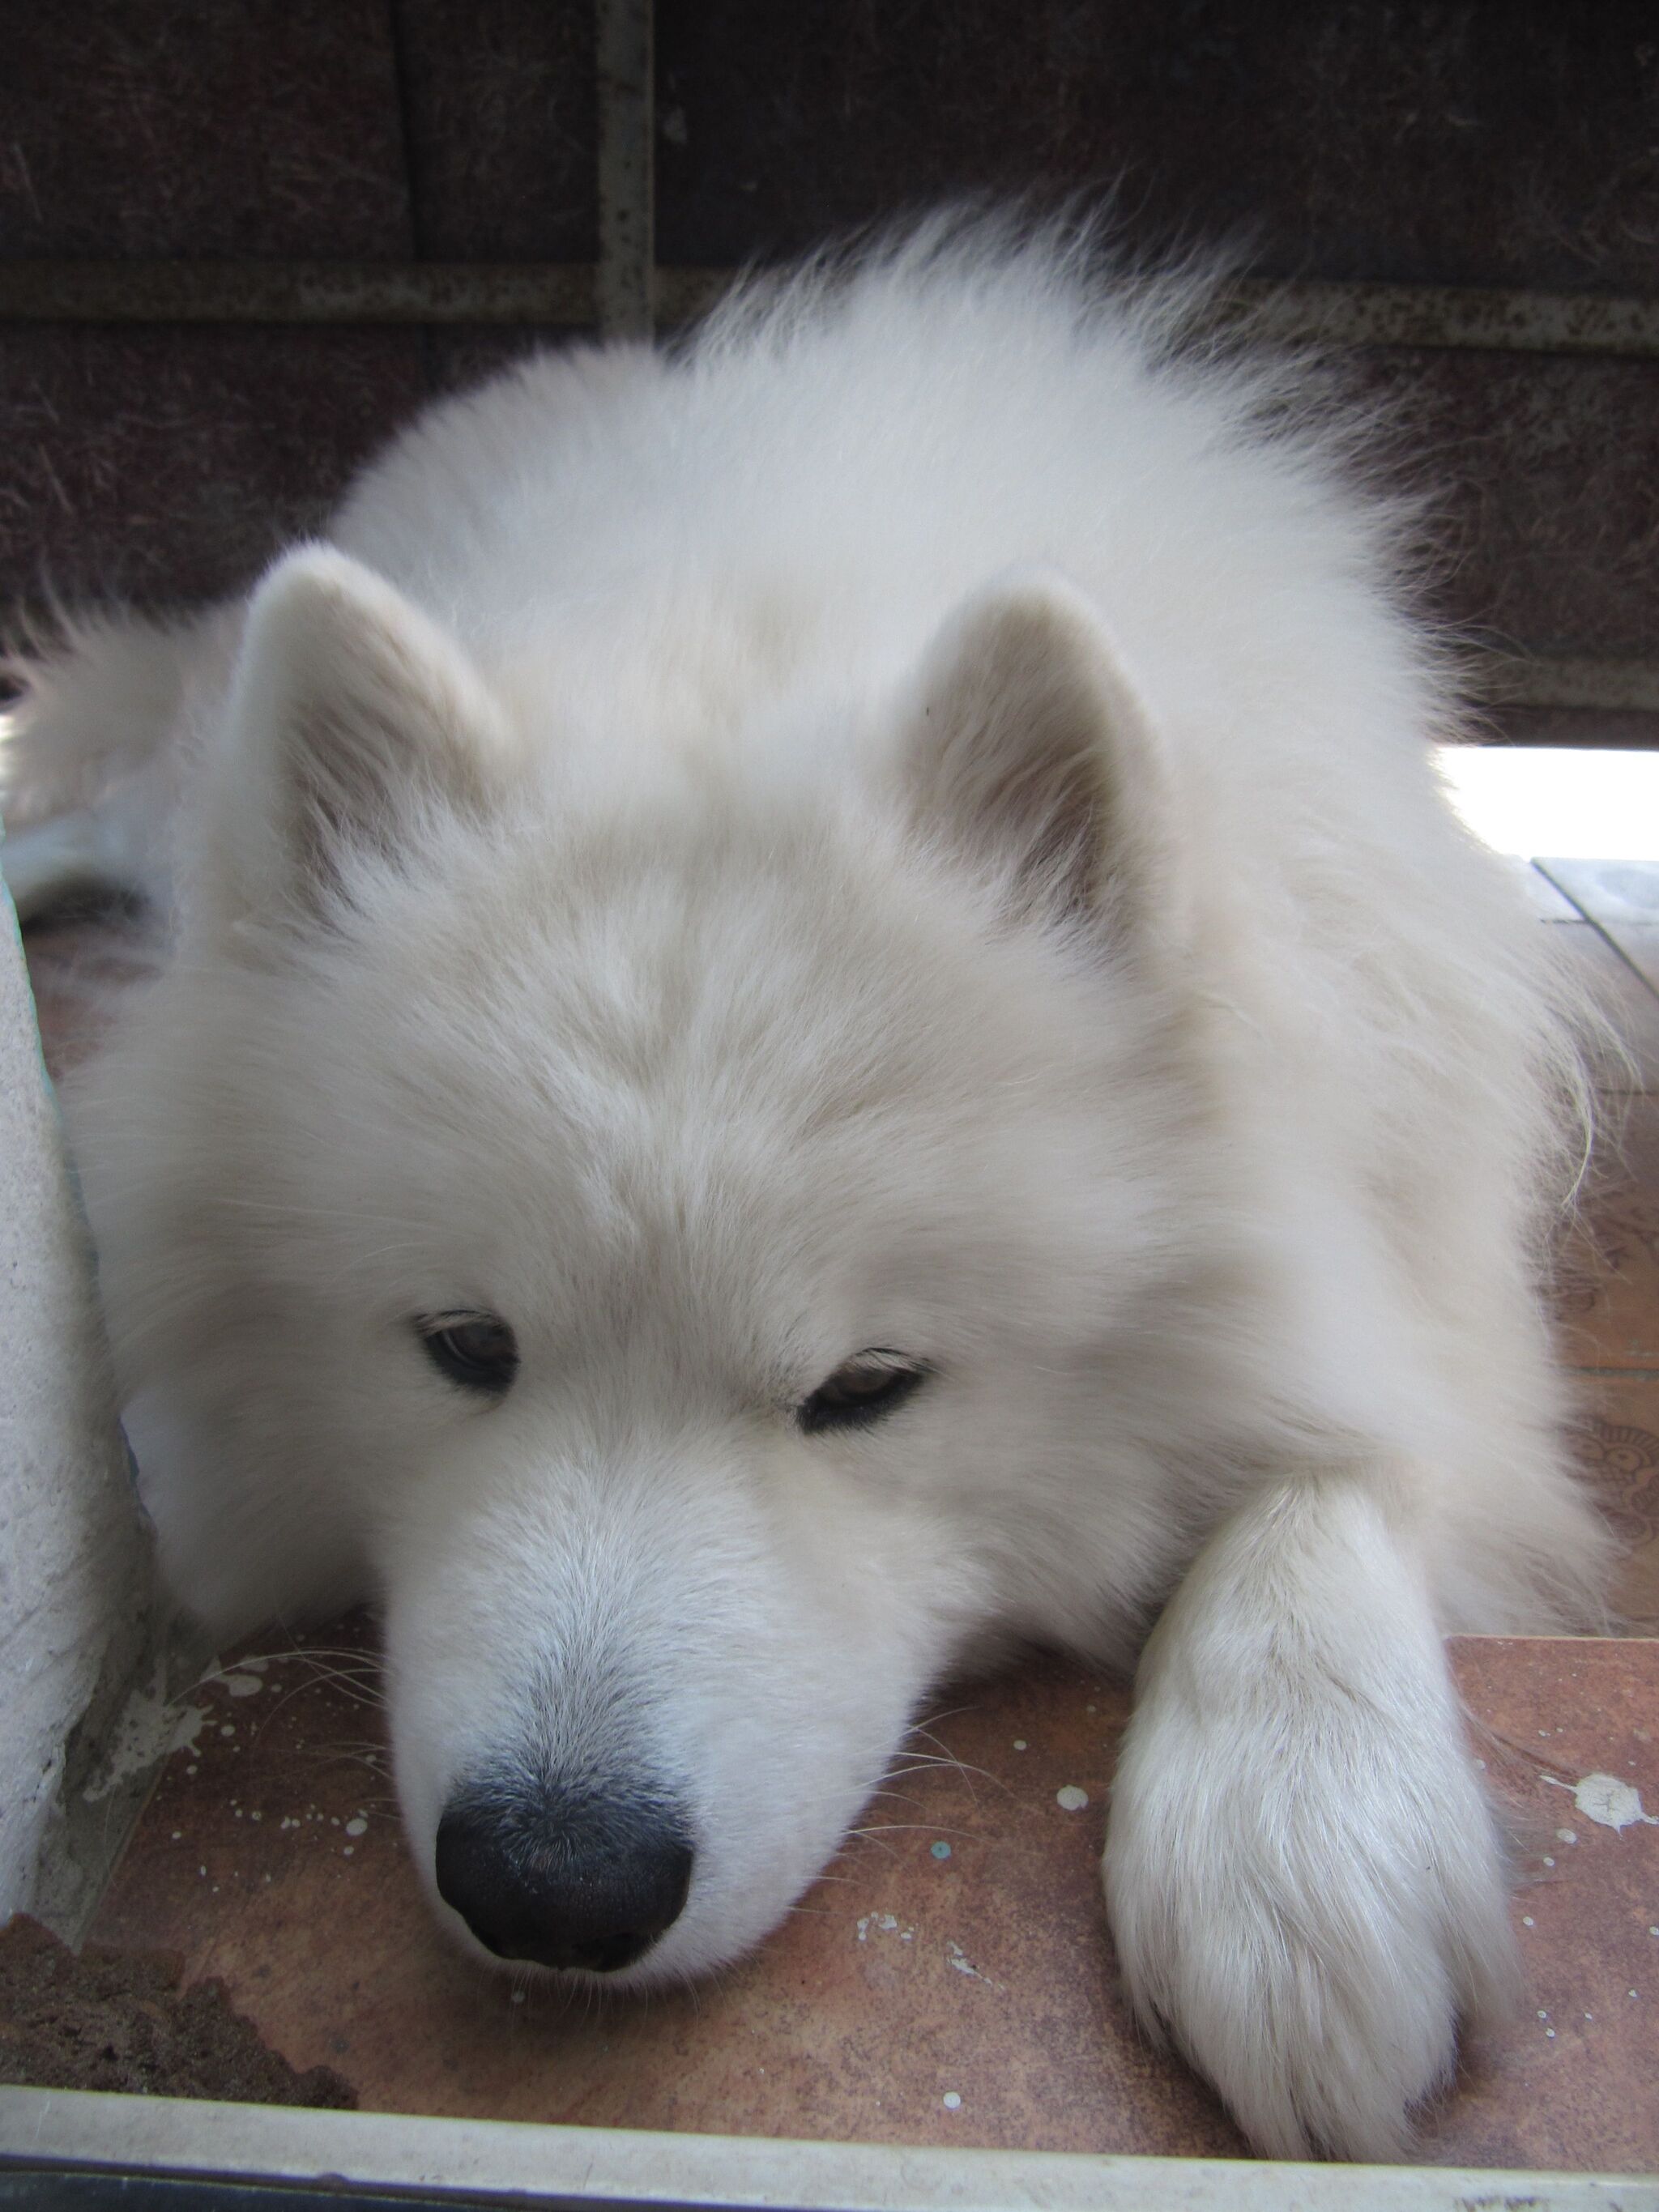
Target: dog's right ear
{"x":351,"y":714}
{"x":1031,"y":756}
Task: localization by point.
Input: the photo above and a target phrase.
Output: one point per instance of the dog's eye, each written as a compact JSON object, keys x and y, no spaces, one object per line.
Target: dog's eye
{"x":861,"y":1390}
{"x":477,"y":1350}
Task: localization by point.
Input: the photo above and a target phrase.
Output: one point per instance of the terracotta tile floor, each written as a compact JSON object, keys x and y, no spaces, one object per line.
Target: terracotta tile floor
{"x":950,"y":1981}
{"x":960,"y":1955}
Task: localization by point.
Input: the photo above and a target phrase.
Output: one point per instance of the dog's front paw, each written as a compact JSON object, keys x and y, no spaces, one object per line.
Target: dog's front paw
{"x":1304,"y":1881}
{"x":1308,"y":1897}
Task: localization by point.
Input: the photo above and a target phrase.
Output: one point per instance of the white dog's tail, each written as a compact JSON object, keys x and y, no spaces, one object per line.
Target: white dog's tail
{"x":92,"y":749}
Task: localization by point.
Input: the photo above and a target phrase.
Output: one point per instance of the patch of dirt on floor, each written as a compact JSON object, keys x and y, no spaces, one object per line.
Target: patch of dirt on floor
{"x":118,"y":2020}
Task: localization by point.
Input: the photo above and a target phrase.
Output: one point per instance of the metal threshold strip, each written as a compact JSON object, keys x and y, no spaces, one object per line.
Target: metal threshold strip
{"x":568,"y":294}
{"x":62,"y":2132}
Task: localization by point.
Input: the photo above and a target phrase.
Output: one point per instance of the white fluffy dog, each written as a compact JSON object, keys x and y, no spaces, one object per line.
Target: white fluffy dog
{"x":826,"y":1016}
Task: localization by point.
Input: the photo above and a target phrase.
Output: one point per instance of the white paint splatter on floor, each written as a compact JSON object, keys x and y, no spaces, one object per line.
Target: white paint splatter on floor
{"x":1607,"y":1801}
{"x":960,"y":1963}
{"x":149,"y":1729}
{"x":883,"y":1923}
{"x":1071,"y":1799}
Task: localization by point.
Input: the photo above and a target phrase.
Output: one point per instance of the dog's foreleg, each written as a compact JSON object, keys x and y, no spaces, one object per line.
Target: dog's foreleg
{"x":1305,"y":1885}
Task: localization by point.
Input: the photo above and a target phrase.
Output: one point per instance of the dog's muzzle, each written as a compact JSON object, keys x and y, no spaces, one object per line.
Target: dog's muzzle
{"x":561,"y":1876}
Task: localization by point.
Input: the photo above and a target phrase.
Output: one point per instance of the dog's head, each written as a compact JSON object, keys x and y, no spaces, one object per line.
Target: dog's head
{"x":691,"y":1251}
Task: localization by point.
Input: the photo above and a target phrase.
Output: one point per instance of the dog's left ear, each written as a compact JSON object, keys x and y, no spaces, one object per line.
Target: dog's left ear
{"x":1030,"y":754}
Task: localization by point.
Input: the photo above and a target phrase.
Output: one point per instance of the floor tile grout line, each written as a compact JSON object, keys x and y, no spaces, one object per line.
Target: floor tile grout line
{"x":1608,"y":938}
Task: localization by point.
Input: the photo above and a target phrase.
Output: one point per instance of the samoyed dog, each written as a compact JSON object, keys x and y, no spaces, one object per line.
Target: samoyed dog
{"x":824,"y":1018}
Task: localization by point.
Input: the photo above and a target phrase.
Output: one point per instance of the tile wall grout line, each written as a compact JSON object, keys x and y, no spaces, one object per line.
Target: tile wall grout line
{"x":1436,"y":317}
{"x":625,"y":280}
{"x":396,"y":35}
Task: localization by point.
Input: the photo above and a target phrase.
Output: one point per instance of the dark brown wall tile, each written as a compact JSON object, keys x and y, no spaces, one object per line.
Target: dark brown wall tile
{"x":1502,"y":142}
{"x":169,"y":465}
{"x":1546,"y":472}
{"x":468,"y":354}
{"x":194,"y":127}
{"x":501,"y":122}
{"x":166,"y":462}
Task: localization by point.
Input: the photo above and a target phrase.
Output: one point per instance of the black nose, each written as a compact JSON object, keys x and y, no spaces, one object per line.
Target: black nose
{"x":564,"y":1878}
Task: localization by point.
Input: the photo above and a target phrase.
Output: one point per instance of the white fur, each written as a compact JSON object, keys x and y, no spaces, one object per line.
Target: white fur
{"x":909,"y":823}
